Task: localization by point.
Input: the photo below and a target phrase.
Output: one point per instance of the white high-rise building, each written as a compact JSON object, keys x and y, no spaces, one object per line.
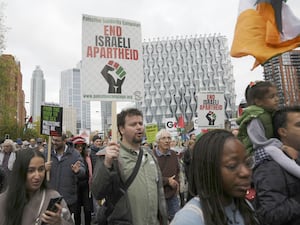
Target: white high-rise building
{"x":176,"y":70}
{"x":70,"y":97}
{"x":37,"y":93}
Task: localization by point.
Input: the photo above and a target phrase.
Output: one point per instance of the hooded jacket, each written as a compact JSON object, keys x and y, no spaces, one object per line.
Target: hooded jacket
{"x":250,"y":113}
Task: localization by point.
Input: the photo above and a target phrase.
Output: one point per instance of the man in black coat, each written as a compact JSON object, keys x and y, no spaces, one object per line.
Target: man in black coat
{"x":277,"y":200}
{"x":2,"y":179}
{"x":96,"y":147}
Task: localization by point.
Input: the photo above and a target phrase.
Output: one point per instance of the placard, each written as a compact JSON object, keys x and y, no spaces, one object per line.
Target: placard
{"x":51,"y":120}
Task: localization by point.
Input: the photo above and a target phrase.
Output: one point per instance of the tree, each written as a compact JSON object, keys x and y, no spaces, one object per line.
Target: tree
{"x":8,"y":120}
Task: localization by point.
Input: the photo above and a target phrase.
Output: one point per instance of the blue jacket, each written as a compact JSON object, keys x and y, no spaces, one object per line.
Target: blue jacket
{"x":192,"y":214}
{"x":62,"y":178}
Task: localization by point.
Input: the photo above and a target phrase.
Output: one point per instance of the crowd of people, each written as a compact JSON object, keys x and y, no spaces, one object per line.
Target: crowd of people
{"x":208,"y":182}
{"x":70,"y":176}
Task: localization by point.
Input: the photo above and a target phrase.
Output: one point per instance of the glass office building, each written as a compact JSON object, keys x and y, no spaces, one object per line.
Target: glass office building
{"x":70,"y":97}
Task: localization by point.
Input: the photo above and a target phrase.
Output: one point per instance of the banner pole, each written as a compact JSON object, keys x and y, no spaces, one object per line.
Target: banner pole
{"x":49,"y":157}
{"x":114,"y":129}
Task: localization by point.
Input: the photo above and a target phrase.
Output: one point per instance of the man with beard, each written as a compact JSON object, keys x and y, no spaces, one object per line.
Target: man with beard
{"x":143,"y":202}
{"x":66,"y":167}
{"x":277,"y":198}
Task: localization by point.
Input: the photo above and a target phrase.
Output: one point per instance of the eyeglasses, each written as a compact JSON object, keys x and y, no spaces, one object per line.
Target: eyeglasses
{"x":249,"y":163}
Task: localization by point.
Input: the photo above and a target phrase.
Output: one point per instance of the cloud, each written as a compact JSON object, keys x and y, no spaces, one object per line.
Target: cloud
{"x":48,"y":33}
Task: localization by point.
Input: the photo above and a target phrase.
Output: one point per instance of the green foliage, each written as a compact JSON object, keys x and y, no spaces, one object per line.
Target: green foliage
{"x":29,"y":133}
{"x":5,"y":67}
{"x":8,"y":121}
{"x":23,"y":132}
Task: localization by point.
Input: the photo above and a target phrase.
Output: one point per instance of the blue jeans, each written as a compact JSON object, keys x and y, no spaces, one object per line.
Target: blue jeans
{"x":173,"y":206}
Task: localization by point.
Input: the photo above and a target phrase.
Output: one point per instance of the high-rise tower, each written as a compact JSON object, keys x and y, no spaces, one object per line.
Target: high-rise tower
{"x":284,"y":71}
{"x":70,"y":98}
{"x":106,"y":116}
{"x":37,"y":93}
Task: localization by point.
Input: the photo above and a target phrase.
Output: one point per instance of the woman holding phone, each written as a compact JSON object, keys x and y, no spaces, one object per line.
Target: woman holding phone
{"x":26,"y":200}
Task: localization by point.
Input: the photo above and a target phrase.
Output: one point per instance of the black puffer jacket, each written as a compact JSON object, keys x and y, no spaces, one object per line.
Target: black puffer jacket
{"x":2,"y":179}
{"x":277,"y":199}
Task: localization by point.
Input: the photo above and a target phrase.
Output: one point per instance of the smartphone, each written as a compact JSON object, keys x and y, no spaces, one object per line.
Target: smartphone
{"x":51,"y":206}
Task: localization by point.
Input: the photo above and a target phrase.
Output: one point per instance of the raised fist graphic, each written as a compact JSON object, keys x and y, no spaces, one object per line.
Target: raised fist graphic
{"x":115,"y":75}
{"x":211,"y":117}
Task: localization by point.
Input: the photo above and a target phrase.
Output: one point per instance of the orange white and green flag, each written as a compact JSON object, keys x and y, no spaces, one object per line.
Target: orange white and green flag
{"x":264,"y":29}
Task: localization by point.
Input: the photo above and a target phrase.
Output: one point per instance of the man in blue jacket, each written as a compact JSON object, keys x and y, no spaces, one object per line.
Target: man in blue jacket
{"x":277,"y":200}
{"x":66,"y":166}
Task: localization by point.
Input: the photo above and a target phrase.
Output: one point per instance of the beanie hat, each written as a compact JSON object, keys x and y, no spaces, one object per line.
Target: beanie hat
{"x":39,"y":140}
{"x":78,"y":140}
{"x":96,"y":137}
{"x":19,"y":141}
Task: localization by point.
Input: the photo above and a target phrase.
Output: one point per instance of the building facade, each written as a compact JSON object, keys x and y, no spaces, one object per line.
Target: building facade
{"x":12,"y":97}
{"x":37,"y":93}
{"x":176,"y":70}
{"x":106,"y":116}
{"x":284,"y":71}
{"x":70,"y":97}
{"x":69,"y":119}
